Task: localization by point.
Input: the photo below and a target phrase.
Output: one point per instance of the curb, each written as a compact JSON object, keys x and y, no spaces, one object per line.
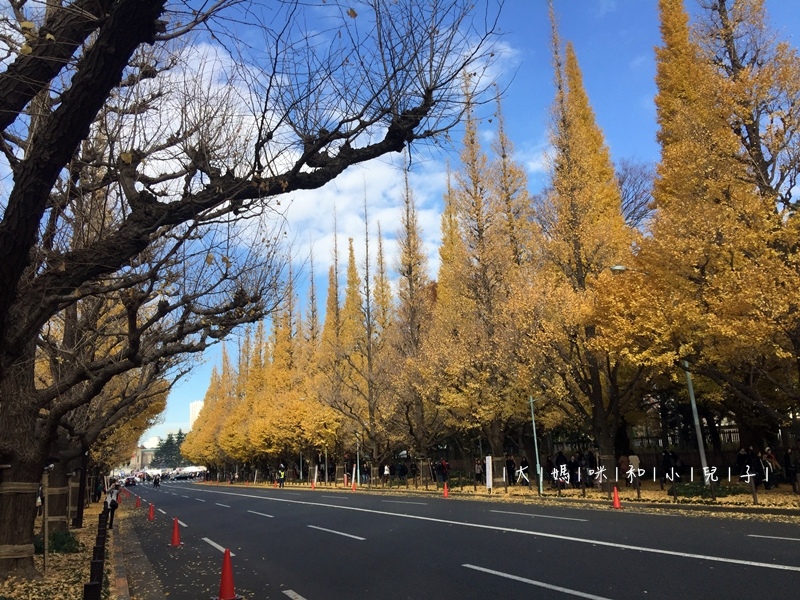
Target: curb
{"x":120,"y":574}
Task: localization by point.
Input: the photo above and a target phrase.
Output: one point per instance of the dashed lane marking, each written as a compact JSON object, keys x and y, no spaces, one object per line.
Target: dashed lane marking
{"x":547,"y":586}
{"x":214,"y":544}
{"x":355,"y":537}
{"x":506,"y":512}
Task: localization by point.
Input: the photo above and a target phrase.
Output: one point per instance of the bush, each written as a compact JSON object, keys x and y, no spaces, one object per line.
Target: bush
{"x":60,"y":541}
{"x":699,"y":490}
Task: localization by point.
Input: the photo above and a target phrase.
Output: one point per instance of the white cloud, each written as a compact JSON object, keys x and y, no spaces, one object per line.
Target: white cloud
{"x":312,"y":215}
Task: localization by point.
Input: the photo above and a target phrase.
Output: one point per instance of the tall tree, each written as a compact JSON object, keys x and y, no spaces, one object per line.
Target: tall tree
{"x":178,"y":177}
{"x":412,"y":395}
{"x":722,"y":254}
{"x":475,"y":339}
{"x":583,"y":234}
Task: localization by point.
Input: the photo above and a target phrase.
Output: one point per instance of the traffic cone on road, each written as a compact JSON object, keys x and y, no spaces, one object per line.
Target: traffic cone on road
{"x":446,"y":490}
{"x":354,"y":485}
{"x":616,"y":503}
{"x":313,"y":485}
{"x":138,"y":501}
{"x":152,"y":514}
{"x":226,"y":591}
{"x":176,"y":534}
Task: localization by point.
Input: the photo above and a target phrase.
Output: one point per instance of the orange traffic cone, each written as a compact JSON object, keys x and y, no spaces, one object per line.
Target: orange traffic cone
{"x":354,"y":485}
{"x":138,"y":501}
{"x":313,"y":485}
{"x":616,"y":503}
{"x":446,"y":490}
{"x":275,"y":484}
{"x":152,"y":514}
{"x":226,"y":591}
{"x":176,"y":534}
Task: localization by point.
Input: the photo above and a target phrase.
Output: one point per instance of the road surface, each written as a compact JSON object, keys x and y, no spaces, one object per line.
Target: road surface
{"x":337,"y":544}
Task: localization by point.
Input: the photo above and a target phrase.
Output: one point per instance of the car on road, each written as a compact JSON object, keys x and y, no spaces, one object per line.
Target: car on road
{"x":130,"y":481}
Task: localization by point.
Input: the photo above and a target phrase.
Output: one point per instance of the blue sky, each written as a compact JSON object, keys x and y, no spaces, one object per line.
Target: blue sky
{"x":614,"y":41}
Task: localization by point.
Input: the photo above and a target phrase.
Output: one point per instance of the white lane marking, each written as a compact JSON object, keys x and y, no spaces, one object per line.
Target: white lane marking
{"x":565,"y":538}
{"x":336,"y":497}
{"x":774,"y":537}
{"x":292,"y":494}
{"x":215,"y":545}
{"x":293,"y":595}
{"x":222,"y":505}
{"x":199,"y":499}
{"x":163,"y":512}
{"x":402,"y":502}
{"x":506,"y":512}
{"x":260,"y":514}
{"x":182,"y":496}
{"x":355,"y":537}
{"x":548,"y":586}
{"x":174,"y":494}
{"x":182,"y":524}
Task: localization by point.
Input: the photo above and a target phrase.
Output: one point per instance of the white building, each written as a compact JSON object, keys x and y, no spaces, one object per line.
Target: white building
{"x":194,"y":411}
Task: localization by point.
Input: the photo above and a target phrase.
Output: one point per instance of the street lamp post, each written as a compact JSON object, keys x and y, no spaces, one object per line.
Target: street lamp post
{"x":358,"y":458}
{"x":697,"y":429}
{"x":536,"y":449}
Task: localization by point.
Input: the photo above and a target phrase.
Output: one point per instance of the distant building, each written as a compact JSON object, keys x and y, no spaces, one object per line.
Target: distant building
{"x":140,"y":459}
{"x":194,"y":411}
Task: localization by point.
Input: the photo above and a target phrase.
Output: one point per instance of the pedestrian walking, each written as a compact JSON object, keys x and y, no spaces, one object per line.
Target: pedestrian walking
{"x":511,"y":468}
{"x":112,"y":502}
{"x":790,"y":468}
{"x":479,"y":479}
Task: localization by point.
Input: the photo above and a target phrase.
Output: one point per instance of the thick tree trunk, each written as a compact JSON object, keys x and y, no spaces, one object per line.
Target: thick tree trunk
{"x":494,"y":434}
{"x":19,"y":486}
{"x":604,"y":430}
{"x":57,"y":499}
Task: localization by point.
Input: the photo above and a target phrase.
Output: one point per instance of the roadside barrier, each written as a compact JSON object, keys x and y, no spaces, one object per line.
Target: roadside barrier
{"x":94,"y":589}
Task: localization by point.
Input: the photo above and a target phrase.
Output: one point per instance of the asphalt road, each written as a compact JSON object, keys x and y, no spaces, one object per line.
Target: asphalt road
{"x":335,"y":544}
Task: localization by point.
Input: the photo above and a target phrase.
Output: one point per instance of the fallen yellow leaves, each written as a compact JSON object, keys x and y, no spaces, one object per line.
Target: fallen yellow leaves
{"x":66,"y":573}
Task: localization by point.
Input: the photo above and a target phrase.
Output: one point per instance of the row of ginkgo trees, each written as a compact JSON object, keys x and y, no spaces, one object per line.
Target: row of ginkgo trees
{"x":569,"y":296}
